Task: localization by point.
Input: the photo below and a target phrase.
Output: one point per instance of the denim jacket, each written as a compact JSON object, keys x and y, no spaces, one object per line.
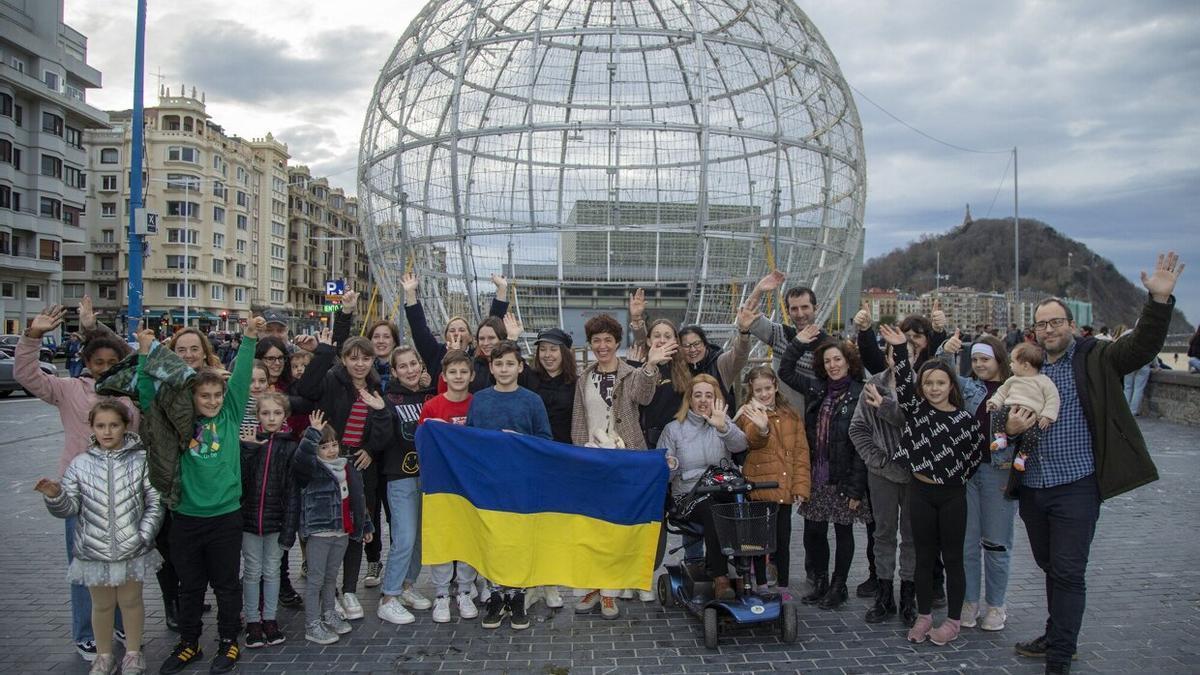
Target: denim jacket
{"x":320,"y":496}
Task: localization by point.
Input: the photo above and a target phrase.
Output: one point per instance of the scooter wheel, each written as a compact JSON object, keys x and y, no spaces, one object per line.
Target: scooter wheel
{"x":710,"y":628}
{"x":663,"y":590}
{"x":787,"y":623}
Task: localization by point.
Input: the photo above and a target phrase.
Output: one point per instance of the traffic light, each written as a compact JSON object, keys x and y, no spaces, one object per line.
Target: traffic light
{"x":224,"y":315}
{"x":312,"y":315}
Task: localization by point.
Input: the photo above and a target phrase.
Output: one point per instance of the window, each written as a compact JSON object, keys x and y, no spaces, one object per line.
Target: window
{"x":239,"y":270}
{"x":180,"y":290}
{"x":48,"y":249}
{"x":243,"y":199}
{"x":6,"y":105}
{"x":8,"y":289}
{"x":218,"y":240}
{"x":73,"y":177}
{"x":107,"y":237}
{"x":52,"y":166}
{"x":6,"y":151}
{"x":72,"y":291}
{"x":17,"y":64}
{"x":108,"y":209}
{"x":243,"y":176}
{"x":5,"y":197}
{"x":33,"y":292}
{"x":218,"y":215}
{"x":183,"y":181}
{"x":51,"y":79}
{"x":71,"y":215}
{"x":52,"y":124}
{"x":107,"y":263}
{"x":239,"y":295}
{"x":19,"y":115}
{"x":108,"y":182}
{"x":217,"y":292}
{"x":16,"y":201}
{"x":176,"y":235}
{"x":278,"y":252}
{"x":170,"y":123}
{"x":183,"y":153}
{"x":241,"y":245}
{"x":219,"y":189}
{"x":74,"y":263}
{"x":108,"y":155}
{"x":107,"y":291}
{"x":276,"y":297}
{"x":51,"y":208}
{"x":177,"y":262}
{"x":241,"y":221}
{"x":184,"y":209}
{"x":218,"y":266}
{"x":74,"y":92}
{"x":74,"y":137}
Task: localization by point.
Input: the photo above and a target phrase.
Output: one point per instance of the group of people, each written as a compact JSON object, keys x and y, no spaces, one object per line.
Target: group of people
{"x":176,"y":466}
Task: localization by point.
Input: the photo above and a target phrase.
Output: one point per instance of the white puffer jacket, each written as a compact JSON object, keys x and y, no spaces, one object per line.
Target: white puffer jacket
{"x":118,"y":510}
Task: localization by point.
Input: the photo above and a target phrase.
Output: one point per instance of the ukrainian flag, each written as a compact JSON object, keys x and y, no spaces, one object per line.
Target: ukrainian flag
{"x":525,"y":512}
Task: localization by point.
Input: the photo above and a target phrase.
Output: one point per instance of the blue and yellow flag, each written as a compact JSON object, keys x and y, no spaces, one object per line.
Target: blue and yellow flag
{"x":525,"y":512}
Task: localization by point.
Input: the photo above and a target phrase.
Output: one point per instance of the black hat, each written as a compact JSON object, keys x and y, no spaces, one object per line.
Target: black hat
{"x":555,"y":336}
{"x":275,"y":316}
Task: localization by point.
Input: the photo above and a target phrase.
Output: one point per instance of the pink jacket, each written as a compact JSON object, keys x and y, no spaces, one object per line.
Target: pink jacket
{"x":73,"y":396}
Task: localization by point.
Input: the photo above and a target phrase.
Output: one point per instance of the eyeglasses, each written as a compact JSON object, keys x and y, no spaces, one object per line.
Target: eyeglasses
{"x":692,"y":345}
{"x":274,"y":359}
{"x":1041,"y":326}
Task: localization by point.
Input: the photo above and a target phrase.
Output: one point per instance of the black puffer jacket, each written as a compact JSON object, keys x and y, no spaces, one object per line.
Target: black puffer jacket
{"x":333,"y":393}
{"x":558,"y":396}
{"x":267,"y":504}
{"x":400,"y":458}
{"x":661,"y":410}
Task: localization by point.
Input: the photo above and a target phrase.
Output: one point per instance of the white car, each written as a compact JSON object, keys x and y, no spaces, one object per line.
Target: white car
{"x":8,"y":383}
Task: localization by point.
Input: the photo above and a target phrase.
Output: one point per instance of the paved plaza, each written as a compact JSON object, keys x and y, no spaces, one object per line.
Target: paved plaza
{"x":1143,"y":611}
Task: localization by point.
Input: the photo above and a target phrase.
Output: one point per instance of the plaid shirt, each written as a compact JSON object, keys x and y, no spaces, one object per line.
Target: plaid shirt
{"x":1064,"y":453}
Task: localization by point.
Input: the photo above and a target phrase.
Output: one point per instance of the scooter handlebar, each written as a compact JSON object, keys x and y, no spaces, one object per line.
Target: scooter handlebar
{"x":736,"y":488}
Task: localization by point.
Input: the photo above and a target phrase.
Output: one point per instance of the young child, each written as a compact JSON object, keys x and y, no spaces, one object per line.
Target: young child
{"x":259,"y":385}
{"x":940,"y":444}
{"x":452,"y":407}
{"x":506,"y":406}
{"x":298,"y":361}
{"x":333,"y":510}
{"x":266,"y":510}
{"x":108,"y":489}
{"x":1028,"y":389}
{"x":206,"y":524}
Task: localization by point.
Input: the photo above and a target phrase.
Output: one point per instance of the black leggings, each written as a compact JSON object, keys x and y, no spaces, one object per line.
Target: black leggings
{"x":375,"y":548}
{"x":939,"y":525}
{"x":352,"y":560}
{"x":783,"y":540}
{"x":816,"y":542}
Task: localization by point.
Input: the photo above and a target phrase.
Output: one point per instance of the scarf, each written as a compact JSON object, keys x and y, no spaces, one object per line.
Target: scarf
{"x":835,"y":390}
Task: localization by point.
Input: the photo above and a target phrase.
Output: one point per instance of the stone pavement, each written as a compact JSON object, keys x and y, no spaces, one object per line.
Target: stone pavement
{"x":1143,"y":613}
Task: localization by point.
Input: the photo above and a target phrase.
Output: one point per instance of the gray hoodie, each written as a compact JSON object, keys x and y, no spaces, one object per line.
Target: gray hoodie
{"x":876,"y":432}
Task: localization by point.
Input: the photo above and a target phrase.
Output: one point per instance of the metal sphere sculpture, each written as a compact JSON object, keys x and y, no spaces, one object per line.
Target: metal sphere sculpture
{"x":588,"y":148}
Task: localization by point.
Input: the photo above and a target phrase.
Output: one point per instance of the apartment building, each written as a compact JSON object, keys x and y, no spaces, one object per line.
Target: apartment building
{"x":221,"y":249}
{"x":44,"y":78}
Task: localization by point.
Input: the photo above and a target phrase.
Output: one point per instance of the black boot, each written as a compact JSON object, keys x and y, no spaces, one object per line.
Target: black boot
{"x":837,"y":594}
{"x":171,"y":611}
{"x":885,"y":602}
{"x":908,"y":603}
{"x":868,"y":588}
{"x":820,"y":586}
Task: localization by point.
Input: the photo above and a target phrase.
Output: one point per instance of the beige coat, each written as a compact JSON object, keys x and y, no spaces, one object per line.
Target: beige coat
{"x":634,"y":388}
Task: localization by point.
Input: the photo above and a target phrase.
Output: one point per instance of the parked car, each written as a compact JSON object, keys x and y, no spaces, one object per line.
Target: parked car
{"x":8,"y":344}
{"x":8,"y":383}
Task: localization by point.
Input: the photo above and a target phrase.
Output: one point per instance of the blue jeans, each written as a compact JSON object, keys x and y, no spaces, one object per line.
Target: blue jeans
{"x":260,"y":560}
{"x":990,"y":518}
{"x":1135,"y":387}
{"x":404,"y":556}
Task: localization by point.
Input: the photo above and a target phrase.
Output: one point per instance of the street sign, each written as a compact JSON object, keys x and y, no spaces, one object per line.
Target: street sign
{"x":329,"y":308}
{"x":145,"y":222}
{"x":335,"y":287}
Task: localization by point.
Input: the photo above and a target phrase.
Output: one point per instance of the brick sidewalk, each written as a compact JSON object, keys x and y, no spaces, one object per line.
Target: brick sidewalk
{"x":1143,"y":613}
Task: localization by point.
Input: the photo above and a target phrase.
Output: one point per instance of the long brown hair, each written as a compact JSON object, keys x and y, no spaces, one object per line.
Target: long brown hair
{"x":1001,"y":353}
{"x":764,"y":373}
{"x":570,"y":371}
{"x":680,"y":375}
{"x":702,"y":378}
{"x":210,"y":356}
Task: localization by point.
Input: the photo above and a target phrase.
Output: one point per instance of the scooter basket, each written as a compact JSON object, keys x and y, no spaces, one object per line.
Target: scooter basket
{"x":745,"y":528}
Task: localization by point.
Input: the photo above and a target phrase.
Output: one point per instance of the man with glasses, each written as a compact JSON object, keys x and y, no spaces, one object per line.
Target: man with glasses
{"x":1094,"y":451}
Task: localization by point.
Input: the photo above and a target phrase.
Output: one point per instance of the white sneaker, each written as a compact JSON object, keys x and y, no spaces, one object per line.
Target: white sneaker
{"x":441,"y":609}
{"x":338,"y":606}
{"x":466,"y":608}
{"x":392,"y":611}
{"x":970,"y":612}
{"x":994,"y":619}
{"x":552,"y":597}
{"x":351,"y":607}
{"x":374,"y":575}
{"x":626,"y":593}
{"x":588,"y":602}
{"x":647,"y":596}
{"x":411,"y":598}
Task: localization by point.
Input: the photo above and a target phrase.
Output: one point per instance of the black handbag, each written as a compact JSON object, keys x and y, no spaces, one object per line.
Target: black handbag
{"x":718,"y":474}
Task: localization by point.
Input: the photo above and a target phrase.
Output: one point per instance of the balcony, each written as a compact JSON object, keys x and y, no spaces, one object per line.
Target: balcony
{"x":103,"y":246}
{"x":104,"y":275}
{"x":35,"y":265}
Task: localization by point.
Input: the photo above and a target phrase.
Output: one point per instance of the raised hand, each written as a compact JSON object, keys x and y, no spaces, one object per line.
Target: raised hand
{"x":373,"y":401}
{"x":637,"y":306}
{"x":316,"y":420}
{"x":1161,"y":284}
{"x":248,"y":436}
{"x":637,"y":352}
{"x":862,"y":318}
{"x":659,"y":355}
{"x":146,"y":339}
{"x":770,"y":282}
{"x":892,"y":335}
{"x":87,"y":315}
{"x":50,"y":488}
{"x":756,"y":415}
{"x":719,"y":417}
{"x":501,"y":287}
{"x":410,"y":282}
{"x":513,"y":326}
{"x":349,"y":302}
{"x":325,"y":337}
{"x":426,"y":379}
{"x":46,"y":320}
{"x":746,"y":316}
{"x":938,"y":317}
{"x":872,"y":396}
{"x":954,"y":344}
{"x":306,"y":342}
{"x":455,"y":342}
{"x":808,"y":334}
{"x":254,"y":326}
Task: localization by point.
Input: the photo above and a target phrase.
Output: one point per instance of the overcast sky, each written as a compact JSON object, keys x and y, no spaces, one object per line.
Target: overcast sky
{"x":1100,"y":97}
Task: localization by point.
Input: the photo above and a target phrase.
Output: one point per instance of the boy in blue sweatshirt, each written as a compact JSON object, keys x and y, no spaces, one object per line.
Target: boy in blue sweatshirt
{"x":507,"y":406}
